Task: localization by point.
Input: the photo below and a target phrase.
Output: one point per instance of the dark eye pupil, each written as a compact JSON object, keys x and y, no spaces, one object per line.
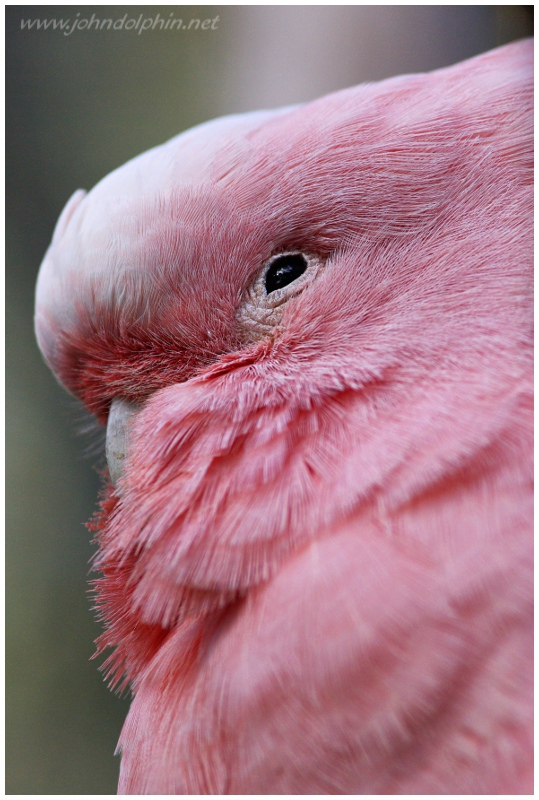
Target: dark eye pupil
{"x":284,"y":270}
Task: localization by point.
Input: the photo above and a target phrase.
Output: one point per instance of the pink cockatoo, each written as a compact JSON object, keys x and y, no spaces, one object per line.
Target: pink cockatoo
{"x":308,"y":332}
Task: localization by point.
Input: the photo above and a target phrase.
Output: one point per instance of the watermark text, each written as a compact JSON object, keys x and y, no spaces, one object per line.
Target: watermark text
{"x":125,"y":23}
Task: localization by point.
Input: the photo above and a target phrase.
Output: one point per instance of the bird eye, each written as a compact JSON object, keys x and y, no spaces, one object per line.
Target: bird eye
{"x":283,"y":270}
{"x":283,"y":277}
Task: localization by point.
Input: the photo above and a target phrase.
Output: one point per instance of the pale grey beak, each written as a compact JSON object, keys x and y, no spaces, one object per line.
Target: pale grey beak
{"x":120,"y":416}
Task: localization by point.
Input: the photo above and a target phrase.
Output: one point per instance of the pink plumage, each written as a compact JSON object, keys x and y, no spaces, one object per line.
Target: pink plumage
{"x":317,"y":558}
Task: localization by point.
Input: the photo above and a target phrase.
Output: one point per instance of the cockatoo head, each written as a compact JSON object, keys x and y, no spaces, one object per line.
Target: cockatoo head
{"x":255,"y":236}
{"x":230,"y":300}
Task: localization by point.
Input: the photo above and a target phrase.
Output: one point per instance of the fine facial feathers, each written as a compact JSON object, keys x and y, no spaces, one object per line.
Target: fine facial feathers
{"x":309,"y":333}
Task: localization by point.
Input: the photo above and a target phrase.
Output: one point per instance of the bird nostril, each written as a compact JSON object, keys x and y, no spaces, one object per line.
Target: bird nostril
{"x":117,"y":442}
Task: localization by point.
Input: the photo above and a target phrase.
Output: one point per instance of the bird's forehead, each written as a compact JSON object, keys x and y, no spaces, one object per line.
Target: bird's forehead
{"x":192,"y":158}
{"x":122,"y":203}
{"x":106,"y":236}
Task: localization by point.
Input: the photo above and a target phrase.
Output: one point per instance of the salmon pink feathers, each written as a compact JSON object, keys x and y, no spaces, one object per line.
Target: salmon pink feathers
{"x":309,"y":334}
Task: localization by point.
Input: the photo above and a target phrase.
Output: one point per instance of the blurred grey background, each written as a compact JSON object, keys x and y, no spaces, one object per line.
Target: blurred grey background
{"x":79,"y":104}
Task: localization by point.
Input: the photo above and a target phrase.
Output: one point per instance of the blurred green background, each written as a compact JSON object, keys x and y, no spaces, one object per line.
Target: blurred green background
{"x":78,"y":106}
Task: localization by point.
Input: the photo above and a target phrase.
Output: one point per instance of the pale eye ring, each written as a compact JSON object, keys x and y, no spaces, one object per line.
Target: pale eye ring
{"x":283,"y":277}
